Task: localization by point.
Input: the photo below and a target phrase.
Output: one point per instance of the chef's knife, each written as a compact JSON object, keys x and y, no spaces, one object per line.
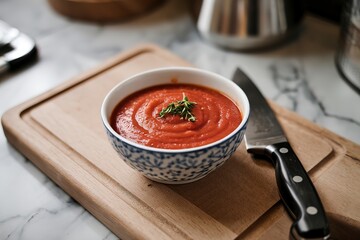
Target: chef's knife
{"x":264,"y":136}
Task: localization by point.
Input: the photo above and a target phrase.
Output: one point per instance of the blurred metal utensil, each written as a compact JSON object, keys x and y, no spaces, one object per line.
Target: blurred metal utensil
{"x":7,"y":34}
{"x":16,"y":48}
{"x":249,"y":24}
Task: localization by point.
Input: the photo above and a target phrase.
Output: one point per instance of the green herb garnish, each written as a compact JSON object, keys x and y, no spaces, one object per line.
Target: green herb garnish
{"x":182,"y":108}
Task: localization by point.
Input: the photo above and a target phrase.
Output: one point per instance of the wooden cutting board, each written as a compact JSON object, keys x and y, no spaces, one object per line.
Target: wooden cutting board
{"x":61,"y":133}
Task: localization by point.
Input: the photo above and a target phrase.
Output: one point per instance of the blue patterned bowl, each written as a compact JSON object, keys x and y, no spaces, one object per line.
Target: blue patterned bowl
{"x":168,"y":165}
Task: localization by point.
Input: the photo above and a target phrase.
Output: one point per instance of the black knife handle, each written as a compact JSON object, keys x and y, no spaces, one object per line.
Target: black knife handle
{"x":298,"y":193}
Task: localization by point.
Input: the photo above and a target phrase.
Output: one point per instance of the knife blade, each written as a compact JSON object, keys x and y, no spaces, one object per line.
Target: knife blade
{"x":265,"y":136}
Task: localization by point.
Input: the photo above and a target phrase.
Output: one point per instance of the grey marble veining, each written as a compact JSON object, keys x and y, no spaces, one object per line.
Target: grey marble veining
{"x":299,"y":75}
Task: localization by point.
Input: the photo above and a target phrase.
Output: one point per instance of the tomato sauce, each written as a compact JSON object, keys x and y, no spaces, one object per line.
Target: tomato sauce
{"x":137,"y":117}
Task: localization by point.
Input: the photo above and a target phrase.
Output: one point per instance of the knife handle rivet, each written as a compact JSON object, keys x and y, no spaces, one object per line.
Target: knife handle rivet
{"x":311,"y":210}
{"x":284,"y":150}
{"x":297,"y":179}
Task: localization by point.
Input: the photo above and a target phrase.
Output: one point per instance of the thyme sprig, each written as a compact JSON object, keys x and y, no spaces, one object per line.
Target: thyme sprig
{"x":182,"y":108}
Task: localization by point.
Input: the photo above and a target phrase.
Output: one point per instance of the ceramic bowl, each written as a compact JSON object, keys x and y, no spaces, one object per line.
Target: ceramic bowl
{"x":168,"y":165}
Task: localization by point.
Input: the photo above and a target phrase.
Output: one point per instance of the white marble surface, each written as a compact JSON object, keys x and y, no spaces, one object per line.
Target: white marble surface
{"x":300,"y":76}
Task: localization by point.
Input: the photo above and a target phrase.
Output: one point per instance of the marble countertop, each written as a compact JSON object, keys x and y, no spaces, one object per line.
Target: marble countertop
{"x":299,"y":75}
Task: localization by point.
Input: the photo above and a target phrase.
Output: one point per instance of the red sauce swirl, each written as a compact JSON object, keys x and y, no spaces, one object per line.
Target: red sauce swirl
{"x":137,"y":117}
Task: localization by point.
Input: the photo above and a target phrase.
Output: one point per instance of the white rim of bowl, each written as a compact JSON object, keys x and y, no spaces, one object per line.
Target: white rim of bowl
{"x":245,"y":114}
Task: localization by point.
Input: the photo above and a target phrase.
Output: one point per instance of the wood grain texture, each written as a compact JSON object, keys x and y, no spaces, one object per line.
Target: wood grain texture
{"x":61,"y":132}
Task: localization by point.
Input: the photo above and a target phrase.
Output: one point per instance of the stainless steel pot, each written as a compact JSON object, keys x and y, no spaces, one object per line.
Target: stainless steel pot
{"x":248,"y":24}
{"x":348,"y":52}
